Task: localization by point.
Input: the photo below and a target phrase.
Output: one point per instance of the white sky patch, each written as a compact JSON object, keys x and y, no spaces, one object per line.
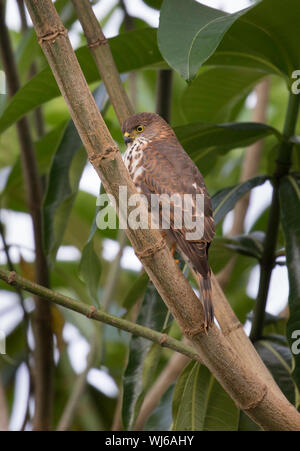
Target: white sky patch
{"x":230,"y":6}
{"x":279,"y":288}
{"x":260,"y":199}
{"x":129,"y":260}
{"x":4,"y":173}
{"x":20,"y":398}
{"x":110,"y":249}
{"x":67,"y":253}
{"x":18,"y":232}
{"x":139,"y":9}
{"x":251,"y":100}
{"x":11,"y":312}
{"x":101,"y":380}
{"x":78,"y":347}
{"x":89,"y":181}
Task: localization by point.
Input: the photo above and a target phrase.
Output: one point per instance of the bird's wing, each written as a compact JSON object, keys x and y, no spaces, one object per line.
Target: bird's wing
{"x":169,"y":170}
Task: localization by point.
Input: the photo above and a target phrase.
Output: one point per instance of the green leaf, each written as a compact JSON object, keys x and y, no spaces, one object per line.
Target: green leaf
{"x":190,"y":32}
{"x":27,"y":52}
{"x":161,"y":417}
{"x":138,"y":375}
{"x":290,"y":215}
{"x":136,"y":291}
{"x":65,"y":174}
{"x":216,"y":94}
{"x":90,"y":264}
{"x":224,"y":201}
{"x":131,"y":51}
{"x":205,"y":142}
{"x":90,"y":269}
{"x":13,"y":196}
{"x":204,"y":405}
{"x":278,"y":359}
{"x":250,"y":245}
{"x":262,"y":40}
{"x":156,"y":4}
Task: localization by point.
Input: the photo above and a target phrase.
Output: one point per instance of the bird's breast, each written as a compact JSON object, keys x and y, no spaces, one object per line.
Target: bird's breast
{"x":133,"y":160}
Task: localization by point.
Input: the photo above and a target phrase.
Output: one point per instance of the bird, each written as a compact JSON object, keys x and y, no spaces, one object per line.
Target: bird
{"x":158,"y":164}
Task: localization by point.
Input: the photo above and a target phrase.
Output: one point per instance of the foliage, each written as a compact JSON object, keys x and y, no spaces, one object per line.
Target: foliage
{"x":217,"y":60}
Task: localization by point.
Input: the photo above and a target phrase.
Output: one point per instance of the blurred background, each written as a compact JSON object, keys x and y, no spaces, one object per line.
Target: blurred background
{"x":115,"y":16}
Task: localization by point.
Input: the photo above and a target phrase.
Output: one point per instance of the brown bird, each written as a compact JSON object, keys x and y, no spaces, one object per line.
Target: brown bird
{"x":158,"y":164}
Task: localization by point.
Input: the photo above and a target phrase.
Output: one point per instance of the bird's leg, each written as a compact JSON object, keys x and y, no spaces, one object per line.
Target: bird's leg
{"x":173,"y":250}
{"x":173,"y":246}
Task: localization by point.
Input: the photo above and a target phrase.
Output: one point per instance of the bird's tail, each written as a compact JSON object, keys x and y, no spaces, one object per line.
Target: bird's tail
{"x":206,"y":291}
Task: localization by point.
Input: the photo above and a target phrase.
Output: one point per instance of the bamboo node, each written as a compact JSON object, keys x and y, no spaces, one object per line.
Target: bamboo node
{"x":229,"y":330}
{"x":12,"y":277}
{"x":109,"y":154}
{"x":91,"y":312}
{"x":151,"y":251}
{"x":97,"y":43}
{"x":52,"y":35}
{"x":163,"y":339}
{"x":251,"y":405}
{"x":190,"y":333}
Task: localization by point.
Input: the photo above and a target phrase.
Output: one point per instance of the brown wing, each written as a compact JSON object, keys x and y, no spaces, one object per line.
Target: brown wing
{"x":169,"y":170}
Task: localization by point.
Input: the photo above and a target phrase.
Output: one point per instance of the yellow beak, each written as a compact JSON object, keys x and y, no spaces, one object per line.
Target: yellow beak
{"x":127,"y":138}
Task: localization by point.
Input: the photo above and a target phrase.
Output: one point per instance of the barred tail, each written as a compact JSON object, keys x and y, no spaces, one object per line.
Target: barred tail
{"x":205,"y":286}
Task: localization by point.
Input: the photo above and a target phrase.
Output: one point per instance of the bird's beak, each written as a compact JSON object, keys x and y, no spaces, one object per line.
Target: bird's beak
{"x":127,"y":138}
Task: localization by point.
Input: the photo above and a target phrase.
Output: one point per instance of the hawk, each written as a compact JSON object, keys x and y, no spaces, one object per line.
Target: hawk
{"x":158,"y":164}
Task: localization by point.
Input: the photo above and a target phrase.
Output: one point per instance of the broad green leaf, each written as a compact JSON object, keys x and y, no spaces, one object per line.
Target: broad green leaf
{"x":13,"y":195}
{"x":224,"y":201}
{"x":246,"y":424}
{"x":90,"y":269}
{"x":262,"y":39}
{"x":179,"y":389}
{"x":152,"y":314}
{"x":257,"y":37}
{"x":278,"y":359}
{"x":205,"y":142}
{"x":161,"y":417}
{"x":204,"y":405}
{"x":217,"y":92}
{"x":131,"y":51}
{"x":290,"y":215}
{"x":80,"y":220}
{"x":64,"y":177}
{"x":136,"y":291}
{"x":190,"y":32}
{"x":90,"y":264}
{"x":219,"y":253}
{"x":222,"y":248}
{"x":27,"y":52}
{"x":154,"y":3}
{"x":250,"y":245}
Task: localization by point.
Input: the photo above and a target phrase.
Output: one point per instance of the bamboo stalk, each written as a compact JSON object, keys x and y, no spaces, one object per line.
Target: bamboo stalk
{"x":265,"y":405}
{"x":100,"y":49}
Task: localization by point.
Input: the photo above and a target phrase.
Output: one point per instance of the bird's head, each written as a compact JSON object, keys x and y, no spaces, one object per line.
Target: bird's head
{"x":142,"y":125}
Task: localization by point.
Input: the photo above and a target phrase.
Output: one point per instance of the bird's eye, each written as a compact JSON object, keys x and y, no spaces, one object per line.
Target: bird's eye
{"x":140,"y":128}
